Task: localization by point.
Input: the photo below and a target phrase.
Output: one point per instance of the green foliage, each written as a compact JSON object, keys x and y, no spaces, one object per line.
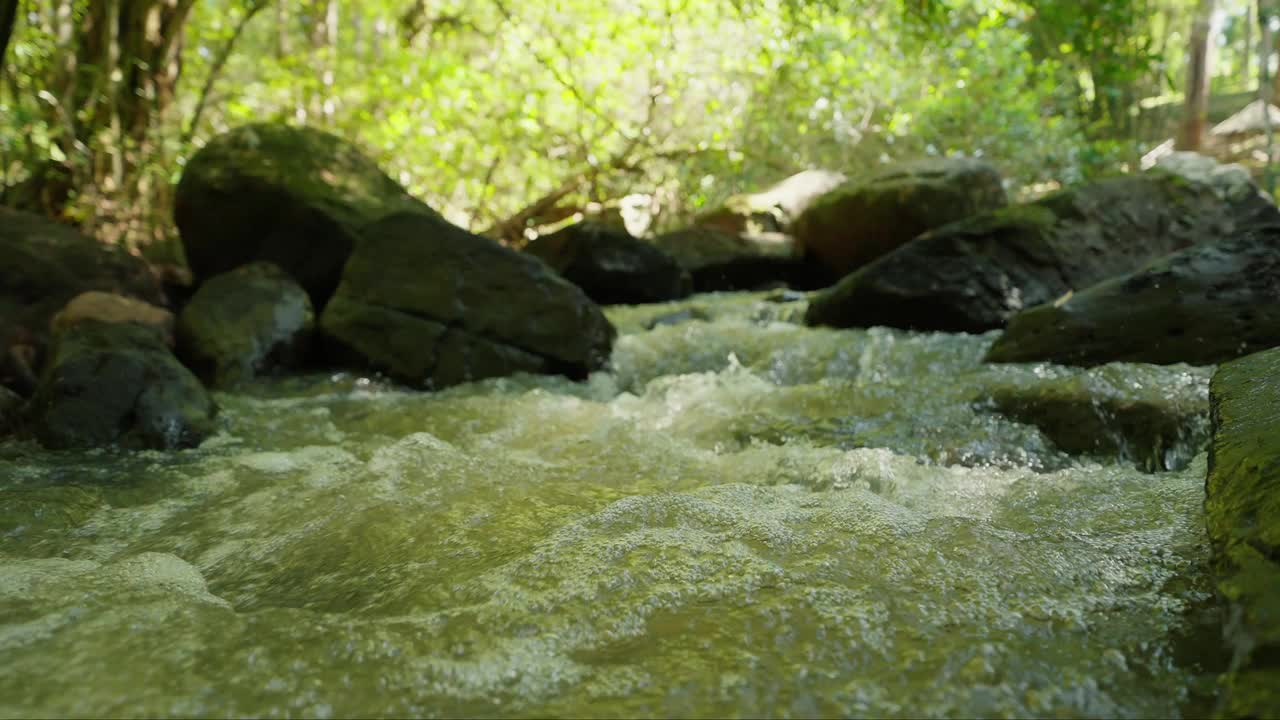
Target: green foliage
{"x":504,"y":113}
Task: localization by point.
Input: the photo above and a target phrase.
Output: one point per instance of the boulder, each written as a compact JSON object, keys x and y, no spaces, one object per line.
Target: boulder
{"x":43,"y":265}
{"x":112,"y":308}
{"x":865,"y":219}
{"x":252,"y":320}
{"x":610,"y":266}
{"x":1242,"y":509}
{"x":972,"y":276}
{"x":118,"y":384}
{"x":773,"y":209}
{"x":1203,"y":305}
{"x":11,"y":404}
{"x":1148,"y":415}
{"x":293,"y":196}
{"x":722,"y":261}
{"x":433,"y":305}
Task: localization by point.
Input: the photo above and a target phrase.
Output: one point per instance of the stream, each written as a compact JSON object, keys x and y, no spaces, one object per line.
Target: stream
{"x":745,"y":517}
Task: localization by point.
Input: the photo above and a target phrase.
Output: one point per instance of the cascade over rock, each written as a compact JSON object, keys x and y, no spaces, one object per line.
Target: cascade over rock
{"x":973,"y":275}
{"x":862,"y":220}
{"x":1243,"y":515}
{"x":433,"y":305}
{"x":1202,"y":305}
{"x":248,"y":321}
{"x":292,"y":196}
{"x":610,"y":266}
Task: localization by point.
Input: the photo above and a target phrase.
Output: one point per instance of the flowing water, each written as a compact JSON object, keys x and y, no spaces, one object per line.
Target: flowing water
{"x":745,"y":517}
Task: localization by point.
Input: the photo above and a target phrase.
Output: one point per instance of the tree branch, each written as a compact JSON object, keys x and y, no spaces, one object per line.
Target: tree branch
{"x":219,"y":62}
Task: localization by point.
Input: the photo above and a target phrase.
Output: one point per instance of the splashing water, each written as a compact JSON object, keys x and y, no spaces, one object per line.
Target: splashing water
{"x":745,"y":517}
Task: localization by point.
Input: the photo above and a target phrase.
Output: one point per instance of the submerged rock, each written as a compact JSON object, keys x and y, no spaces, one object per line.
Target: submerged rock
{"x":118,"y":384}
{"x":1114,"y":411}
{"x":1203,"y":305}
{"x":972,"y":276}
{"x":252,"y":320}
{"x":431,"y":304}
{"x":1243,"y":515}
{"x":112,"y":308}
{"x":293,"y":196}
{"x":864,"y":219}
{"x":720,"y":261}
{"x":610,"y":266}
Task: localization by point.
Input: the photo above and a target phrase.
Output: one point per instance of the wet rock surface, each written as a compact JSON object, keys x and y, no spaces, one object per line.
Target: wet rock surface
{"x":862,"y":220}
{"x":1203,"y":305}
{"x":434,"y":305}
{"x":610,"y":266}
{"x":253,"y":320}
{"x":1243,"y":515}
{"x":292,"y":196}
{"x":1119,"y":411}
{"x":974,"y":275}
{"x":118,"y":384}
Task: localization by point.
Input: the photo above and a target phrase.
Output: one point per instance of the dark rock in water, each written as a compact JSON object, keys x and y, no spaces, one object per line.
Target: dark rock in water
{"x":11,"y":404}
{"x":866,"y":219}
{"x":1158,"y":422}
{"x":721,"y":261}
{"x":1242,"y":507}
{"x":610,"y":266}
{"x":112,"y":308}
{"x":972,"y":276}
{"x":431,"y":304}
{"x":1203,"y":305}
{"x":118,"y":384}
{"x":293,"y":196}
{"x":773,"y":209}
{"x":44,"y":264}
{"x":252,"y":320}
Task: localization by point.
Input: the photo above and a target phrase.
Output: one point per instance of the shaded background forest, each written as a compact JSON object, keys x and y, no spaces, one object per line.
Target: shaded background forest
{"x":511,"y":115}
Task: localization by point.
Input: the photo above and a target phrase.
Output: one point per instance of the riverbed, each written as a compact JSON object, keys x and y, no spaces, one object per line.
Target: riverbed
{"x":744,"y":517}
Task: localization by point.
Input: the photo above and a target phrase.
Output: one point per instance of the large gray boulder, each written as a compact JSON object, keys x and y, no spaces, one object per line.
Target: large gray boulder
{"x":773,"y":209}
{"x":252,"y":320}
{"x":433,"y":305}
{"x":610,"y":266}
{"x":862,"y":220}
{"x":118,"y":384}
{"x":1203,"y":305}
{"x":1242,"y":507}
{"x":972,"y":276}
{"x":293,"y":196}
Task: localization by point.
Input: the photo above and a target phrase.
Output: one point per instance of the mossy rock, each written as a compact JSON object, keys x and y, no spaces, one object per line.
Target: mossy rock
{"x":1203,"y":305}
{"x":247,"y":322}
{"x":1242,"y":507}
{"x":293,"y":196}
{"x":1141,"y":414}
{"x":973,"y":275}
{"x":862,"y":220}
{"x":43,"y":265}
{"x":610,"y":266}
{"x":118,"y":384}
{"x":433,"y":305}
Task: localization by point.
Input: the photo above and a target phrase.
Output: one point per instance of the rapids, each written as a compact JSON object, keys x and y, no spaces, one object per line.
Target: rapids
{"x":745,"y":517}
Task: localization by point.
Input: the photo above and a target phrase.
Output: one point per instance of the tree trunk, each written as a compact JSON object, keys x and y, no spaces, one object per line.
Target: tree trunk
{"x":1246,"y":58}
{"x":8,"y":17}
{"x":1199,"y":72}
